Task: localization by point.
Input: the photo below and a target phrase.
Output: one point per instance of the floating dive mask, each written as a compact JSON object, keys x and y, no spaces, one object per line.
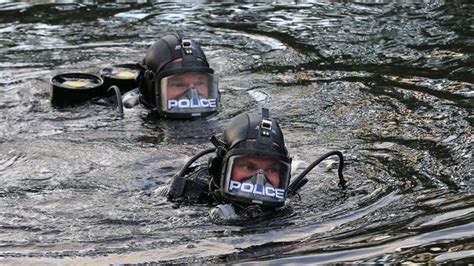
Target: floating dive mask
{"x":73,"y":88}
{"x":124,"y":76}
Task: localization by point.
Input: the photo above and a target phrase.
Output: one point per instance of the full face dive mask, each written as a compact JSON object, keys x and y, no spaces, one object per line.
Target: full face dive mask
{"x":177,"y":80}
{"x":191,"y":93}
{"x":256,"y":166}
{"x":255,"y":178}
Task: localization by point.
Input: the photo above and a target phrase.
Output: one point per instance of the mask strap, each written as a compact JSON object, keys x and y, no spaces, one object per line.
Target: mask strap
{"x":264,"y":137}
{"x":189,"y":58}
{"x":265,"y":113}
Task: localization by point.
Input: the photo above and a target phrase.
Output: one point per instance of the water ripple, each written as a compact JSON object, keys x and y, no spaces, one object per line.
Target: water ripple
{"x":387,"y":83}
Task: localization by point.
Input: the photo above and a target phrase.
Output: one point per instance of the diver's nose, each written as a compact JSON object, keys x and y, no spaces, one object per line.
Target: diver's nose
{"x":261,"y":178}
{"x":193,"y":93}
{"x":193,"y":96}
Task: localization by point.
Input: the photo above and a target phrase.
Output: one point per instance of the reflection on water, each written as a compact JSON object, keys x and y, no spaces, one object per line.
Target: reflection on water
{"x":388,"y":83}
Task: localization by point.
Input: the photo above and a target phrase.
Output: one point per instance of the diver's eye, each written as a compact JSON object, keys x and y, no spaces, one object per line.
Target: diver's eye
{"x":247,"y":166}
{"x":200,"y":83}
{"x":250,"y":167}
{"x":179,"y":85}
{"x":272,"y":170}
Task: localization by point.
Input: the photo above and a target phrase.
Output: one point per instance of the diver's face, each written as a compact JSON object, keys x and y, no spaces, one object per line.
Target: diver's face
{"x":179,"y":84}
{"x":248,"y":166}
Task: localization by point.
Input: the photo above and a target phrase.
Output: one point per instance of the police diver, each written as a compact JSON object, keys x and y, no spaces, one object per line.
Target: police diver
{"x":175,"y":80}
{"x":247,"y":176}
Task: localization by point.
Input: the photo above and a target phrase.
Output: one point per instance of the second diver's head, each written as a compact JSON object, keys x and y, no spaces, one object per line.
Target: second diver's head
{"x":177,"y":79}
{"x":254,"y":166}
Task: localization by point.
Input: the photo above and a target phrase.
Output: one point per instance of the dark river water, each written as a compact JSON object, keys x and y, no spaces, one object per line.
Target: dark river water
{"x":388,"y":83}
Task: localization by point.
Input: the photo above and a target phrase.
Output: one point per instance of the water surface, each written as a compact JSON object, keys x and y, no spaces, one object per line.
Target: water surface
{"x":390,"y":84}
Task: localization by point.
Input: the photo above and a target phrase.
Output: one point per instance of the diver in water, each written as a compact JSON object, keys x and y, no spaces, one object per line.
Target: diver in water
{"x":249,"y":174}
{"x":175,"y":80}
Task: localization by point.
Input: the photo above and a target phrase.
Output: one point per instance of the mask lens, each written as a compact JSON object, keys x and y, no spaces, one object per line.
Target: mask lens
{"x":190,"y":92}
{"x":257,"y":179}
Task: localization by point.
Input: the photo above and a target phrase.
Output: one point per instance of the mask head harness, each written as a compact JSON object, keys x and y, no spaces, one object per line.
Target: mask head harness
{"x":177,"y":80}
{"x":252,"y":166}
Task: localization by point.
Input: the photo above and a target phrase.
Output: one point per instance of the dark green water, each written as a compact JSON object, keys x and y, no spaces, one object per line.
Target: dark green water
{"x":389,"y":83}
